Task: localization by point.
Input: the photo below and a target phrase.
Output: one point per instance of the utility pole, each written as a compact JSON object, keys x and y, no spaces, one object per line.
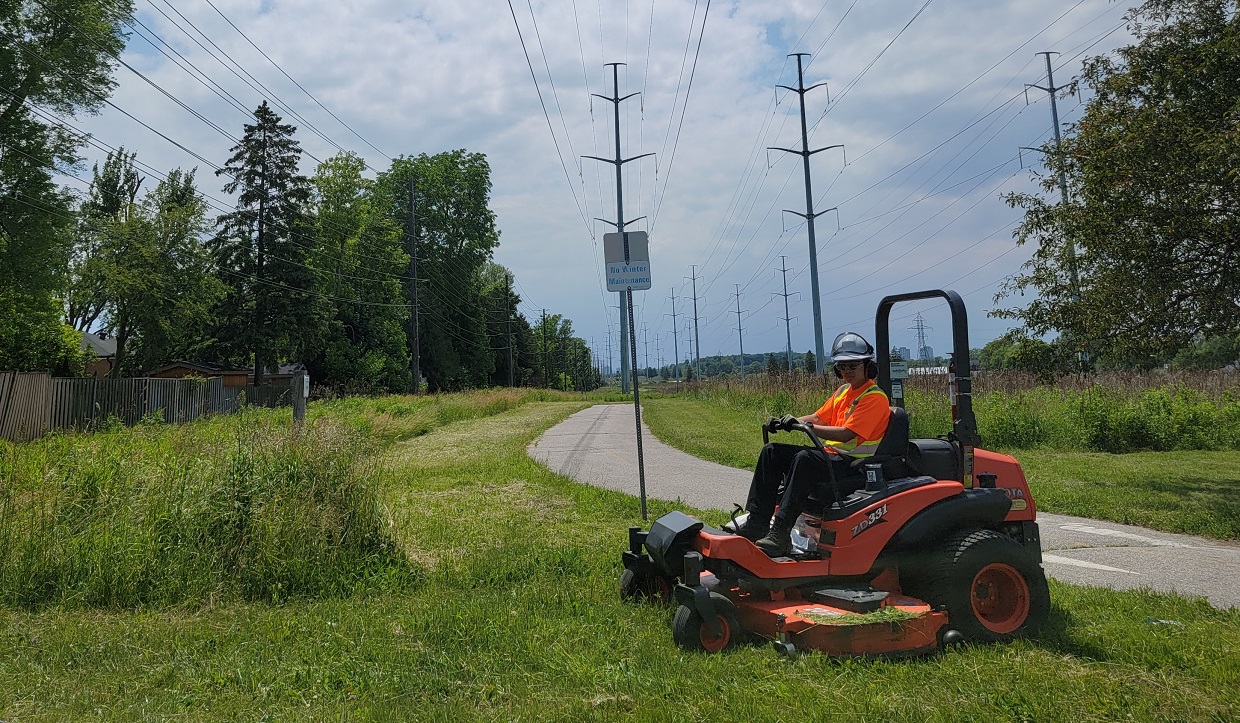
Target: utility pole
{"x":783,"y":266}
{"x":692,"y":351}
{"x":697,"y":339}
{"x":609,"y":367}
{"x":415,"y":365}
{"x":508,"y":277}
{"x":646,"y":343}
{"x":546,"y":363}
{"x":620,"y":223}
{"x":739,"y":334}
{"x":675,"y":339}
{"x":809,"y":214}
{"x":1051,"y":89}
{"x":260,"y":291}
{"x":658,"y":352}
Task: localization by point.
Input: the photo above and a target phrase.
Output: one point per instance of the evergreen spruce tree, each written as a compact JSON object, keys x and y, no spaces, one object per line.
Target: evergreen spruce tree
{"x":271,"y":311}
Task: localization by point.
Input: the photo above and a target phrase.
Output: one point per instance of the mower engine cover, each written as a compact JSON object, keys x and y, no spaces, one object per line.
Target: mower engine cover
{"x":670,"y":537}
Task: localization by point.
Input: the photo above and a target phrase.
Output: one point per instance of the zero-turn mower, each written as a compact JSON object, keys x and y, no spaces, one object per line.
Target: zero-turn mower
{"x":940,"y":546}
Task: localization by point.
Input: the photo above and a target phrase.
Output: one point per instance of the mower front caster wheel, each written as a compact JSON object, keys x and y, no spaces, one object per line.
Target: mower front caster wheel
{"x":692,"y":633}
{"x":642,"y":587}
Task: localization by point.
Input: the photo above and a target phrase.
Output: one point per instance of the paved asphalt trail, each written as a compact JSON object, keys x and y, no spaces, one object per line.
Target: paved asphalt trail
{"x":597,"y":446}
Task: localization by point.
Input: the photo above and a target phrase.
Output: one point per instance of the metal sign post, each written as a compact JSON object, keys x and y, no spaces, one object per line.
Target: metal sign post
{"x":627,"y":257}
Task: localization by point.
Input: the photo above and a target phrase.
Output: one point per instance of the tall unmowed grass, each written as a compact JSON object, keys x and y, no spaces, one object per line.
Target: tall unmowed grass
{"x":1109,"y":413}
{"x":402,"y":417}
{"x":238,"y":507}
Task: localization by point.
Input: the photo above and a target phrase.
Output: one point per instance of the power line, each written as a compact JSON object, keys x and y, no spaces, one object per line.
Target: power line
{"x":286,"y":75}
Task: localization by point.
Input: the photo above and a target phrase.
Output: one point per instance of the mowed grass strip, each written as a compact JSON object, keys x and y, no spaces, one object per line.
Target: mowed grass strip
{"x":1191,"y":492}
{"x":516,"y":616}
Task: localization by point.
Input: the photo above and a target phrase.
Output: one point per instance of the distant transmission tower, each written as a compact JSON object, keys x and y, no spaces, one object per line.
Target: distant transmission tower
{"x":783,"y":267}
{"x":919,"y":326}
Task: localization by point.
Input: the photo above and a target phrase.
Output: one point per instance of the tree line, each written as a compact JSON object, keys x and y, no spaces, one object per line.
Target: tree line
{"x":303,"y":269}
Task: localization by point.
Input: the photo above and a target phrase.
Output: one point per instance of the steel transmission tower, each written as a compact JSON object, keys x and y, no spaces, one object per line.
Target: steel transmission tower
{"x":1065,"y":198}
{"x":1051,"y":89}
{"x":646,"y":343}
{"x":783,"y":267}
{"x":697,"y":339}
{"x":620,"y":223}
{"x":919,"y":326}
{"x":809,"y":214}
{"x":675,"y":339}
{"x":740,"y":335}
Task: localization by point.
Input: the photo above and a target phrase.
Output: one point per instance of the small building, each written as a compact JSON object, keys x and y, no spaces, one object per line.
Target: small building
{"x":282,"y":375}
{"x":103,"y":354}
{"x":181,"y":369}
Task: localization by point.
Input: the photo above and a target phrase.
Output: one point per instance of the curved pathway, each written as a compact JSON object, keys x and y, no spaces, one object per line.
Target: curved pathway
{"x":597,"y":446}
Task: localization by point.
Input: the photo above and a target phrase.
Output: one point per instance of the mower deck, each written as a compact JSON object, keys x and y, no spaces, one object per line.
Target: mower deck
{"x":895,"y":625}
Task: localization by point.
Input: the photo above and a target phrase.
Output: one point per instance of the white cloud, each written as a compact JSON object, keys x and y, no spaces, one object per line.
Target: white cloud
{"x":414,"y":77}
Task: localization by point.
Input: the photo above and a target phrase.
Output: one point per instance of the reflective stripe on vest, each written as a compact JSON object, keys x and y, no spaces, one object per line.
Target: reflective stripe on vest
{"x":852,"y":448}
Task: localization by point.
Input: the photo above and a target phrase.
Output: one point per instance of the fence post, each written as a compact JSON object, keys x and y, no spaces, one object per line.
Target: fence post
{"x":300,"y":384}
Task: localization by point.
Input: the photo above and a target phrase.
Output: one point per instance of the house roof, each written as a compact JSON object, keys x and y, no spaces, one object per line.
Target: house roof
{"x":208,"y":367}
{"x":100,"y":346}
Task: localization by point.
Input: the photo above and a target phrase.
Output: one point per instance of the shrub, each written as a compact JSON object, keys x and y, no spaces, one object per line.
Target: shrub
{"x":238,"y":506}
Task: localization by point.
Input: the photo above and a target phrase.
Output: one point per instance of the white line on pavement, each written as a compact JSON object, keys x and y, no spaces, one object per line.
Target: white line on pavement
{"x":1077,"y":527}
{"x":1081,"y":563}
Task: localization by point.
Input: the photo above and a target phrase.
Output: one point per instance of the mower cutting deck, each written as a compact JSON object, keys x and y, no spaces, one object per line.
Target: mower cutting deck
{"x":919,"y":557}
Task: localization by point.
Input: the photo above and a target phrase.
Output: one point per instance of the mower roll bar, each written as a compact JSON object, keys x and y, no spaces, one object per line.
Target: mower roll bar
{"x":964,"y":423}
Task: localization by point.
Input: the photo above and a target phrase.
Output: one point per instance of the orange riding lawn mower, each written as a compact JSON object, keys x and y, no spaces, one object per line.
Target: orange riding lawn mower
{"x":940,"y":546}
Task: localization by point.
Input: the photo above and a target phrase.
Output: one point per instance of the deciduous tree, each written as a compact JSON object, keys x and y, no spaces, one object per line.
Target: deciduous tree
{"x":55,"y":55}
{"x":1153,"y":212}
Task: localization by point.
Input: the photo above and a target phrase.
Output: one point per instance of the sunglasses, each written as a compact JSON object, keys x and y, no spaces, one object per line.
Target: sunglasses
{"x":849,"y":365}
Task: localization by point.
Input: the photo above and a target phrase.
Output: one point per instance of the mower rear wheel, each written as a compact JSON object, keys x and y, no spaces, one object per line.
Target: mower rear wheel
{"x":691,"y":632}
{"x":992,"y":588}
{"x":645,"y":587}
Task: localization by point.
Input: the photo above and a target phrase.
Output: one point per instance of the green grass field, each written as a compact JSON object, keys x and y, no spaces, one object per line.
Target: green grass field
{"x":514,"y":615}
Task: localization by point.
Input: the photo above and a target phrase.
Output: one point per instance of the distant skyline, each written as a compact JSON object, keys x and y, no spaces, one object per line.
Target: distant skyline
{"x":927,"y":99}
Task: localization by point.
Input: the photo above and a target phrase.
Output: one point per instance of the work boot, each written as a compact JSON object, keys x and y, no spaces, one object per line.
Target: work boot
{"x":755,"y":527}
{"x":779,"y":542}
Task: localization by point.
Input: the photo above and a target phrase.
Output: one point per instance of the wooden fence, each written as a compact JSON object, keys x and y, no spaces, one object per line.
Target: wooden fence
{"x":33,"y":404}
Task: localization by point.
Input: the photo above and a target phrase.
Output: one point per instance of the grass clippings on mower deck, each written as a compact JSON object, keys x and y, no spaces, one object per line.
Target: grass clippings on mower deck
{"x":889,"y":614}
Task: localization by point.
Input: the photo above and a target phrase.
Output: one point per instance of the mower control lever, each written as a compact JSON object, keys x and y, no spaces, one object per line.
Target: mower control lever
{"x":779,"y":425}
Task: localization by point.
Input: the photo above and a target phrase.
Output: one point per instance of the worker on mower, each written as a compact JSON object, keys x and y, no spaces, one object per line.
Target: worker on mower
{"x":851,"y":423}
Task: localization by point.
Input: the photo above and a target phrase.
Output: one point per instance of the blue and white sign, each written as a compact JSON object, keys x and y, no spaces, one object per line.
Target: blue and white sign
{"x":631,"y":271}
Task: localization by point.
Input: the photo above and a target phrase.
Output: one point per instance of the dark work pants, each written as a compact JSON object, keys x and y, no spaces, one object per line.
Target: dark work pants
{"x":788,"y":473}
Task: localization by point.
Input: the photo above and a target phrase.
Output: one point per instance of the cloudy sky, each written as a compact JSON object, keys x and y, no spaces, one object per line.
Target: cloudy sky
{"x":927,"y":98}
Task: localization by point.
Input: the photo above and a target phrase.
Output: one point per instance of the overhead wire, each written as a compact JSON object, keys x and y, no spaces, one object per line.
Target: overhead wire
{"x":684,"y":106}
{"x":962,"y":88}
{"x":291,"y":79}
